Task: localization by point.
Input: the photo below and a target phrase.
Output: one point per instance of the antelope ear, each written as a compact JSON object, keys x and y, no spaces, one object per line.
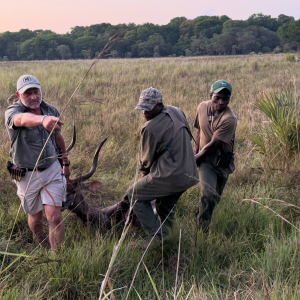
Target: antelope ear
{"x":92,"y":186}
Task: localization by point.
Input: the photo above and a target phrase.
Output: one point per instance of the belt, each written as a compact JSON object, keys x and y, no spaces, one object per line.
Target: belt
{"x":37,"y":169}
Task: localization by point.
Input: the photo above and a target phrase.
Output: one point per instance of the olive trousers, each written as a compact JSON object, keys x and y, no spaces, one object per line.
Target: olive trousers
{"x":142,"y":193}
{"x":212,"y":186}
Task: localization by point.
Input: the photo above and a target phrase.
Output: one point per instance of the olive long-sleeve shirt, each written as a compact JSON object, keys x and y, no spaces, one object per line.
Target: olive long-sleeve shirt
{"x":163,"y":172}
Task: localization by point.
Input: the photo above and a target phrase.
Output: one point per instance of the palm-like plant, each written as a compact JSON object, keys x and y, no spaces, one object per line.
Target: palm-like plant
{"x":279,"y":137}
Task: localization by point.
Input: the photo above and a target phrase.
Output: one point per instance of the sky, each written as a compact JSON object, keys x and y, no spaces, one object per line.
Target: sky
{"x":61,"y":15}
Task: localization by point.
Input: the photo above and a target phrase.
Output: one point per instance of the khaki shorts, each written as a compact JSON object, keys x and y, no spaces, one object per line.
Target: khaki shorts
{"x":48,"y":181}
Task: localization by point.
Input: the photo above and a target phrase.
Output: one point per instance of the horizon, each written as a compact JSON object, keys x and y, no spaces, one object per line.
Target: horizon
{"x":70,"y":13}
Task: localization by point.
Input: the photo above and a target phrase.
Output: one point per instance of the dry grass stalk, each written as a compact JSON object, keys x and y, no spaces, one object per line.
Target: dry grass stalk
{"x":110,"y":285}
{"x":162,"y":261}
{"x":273,"y":211}
{"x":267,"y":296}
{"x":123,"y":235}
{"x":296,"y":112}
{"x":146,"y":250}
{"x":237,"y":295}
{"x":189,"y":292}
{"x":175,"y":296}
{"x":112,"y":292}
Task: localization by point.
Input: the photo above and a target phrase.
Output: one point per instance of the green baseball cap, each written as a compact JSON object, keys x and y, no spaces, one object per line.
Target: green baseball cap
{"x":219,"y":85}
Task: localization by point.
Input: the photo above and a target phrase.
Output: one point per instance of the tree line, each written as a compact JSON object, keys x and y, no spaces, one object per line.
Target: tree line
{"x":204,"y":35}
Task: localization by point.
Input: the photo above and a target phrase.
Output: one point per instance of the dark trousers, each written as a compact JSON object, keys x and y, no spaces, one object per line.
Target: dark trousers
{"x":142,"y":193}
{"x":212,"y":186}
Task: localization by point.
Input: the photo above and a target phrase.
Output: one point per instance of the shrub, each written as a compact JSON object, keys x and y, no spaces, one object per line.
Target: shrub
{"x":254,"y":65}
{"x":277,"y":50}
{"x":289,"y":57}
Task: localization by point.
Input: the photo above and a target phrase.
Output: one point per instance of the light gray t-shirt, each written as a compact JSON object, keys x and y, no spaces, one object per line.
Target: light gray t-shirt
{"x":27,"y":143}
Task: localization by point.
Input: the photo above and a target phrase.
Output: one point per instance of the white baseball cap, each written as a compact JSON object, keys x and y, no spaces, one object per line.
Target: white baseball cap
{"x":26,"y":82}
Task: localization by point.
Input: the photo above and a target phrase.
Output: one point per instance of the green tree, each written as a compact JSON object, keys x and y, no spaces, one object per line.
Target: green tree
{"x":146,"y":49}
{"x":37,"y":47}
{"x":290,"y":32}
{"x":50,"y":54}
{"x":88,"y":43}
{"x":263,"y":21}
{"x":234,"y":23}
{"x":282,"y":19}
{"x":114,"y":53}
{"x":209,"y":25}
{"x":184,"y":42}
{"x":12,"y":50}
{"x":9,"y":42}
{"x":202,"y":45}
{"x":78,"y":31}
{"x":64,"y":51}
{"x":144,"y":31}
{"x":156,"y":51}
{"x":95,"y":30}
{"x":171,"y":31}
{"x":86,"y":54}
{"x":187,"y":28}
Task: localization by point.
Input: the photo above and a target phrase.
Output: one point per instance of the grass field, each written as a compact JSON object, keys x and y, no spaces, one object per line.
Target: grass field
{"x":250,"y":252}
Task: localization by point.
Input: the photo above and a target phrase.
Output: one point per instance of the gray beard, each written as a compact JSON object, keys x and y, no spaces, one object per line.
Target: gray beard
{"x":34,"y":106}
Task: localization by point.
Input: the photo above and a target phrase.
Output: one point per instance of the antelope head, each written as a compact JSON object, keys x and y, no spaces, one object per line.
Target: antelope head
{"x":75,"y":200}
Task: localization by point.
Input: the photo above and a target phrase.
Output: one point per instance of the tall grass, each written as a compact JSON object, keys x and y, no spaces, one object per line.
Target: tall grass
{"x":249,"y":253}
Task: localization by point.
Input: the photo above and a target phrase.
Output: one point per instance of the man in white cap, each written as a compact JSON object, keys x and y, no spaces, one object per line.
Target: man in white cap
{"x":167,"y":164}
{"x":29,"y":122}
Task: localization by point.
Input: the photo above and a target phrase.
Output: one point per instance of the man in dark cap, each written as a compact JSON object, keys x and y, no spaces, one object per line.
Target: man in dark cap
{"x":216,"y":124}
{"x":167,"y":163}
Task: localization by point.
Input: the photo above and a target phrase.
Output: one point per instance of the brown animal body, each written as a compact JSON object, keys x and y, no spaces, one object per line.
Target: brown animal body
{"x":86,"y":212}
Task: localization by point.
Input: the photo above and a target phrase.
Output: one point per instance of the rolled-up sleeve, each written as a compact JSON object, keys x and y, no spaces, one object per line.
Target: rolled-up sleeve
{"x":148,"y":148}
{"x":226,"y":130}
{"x":10,"y":113}
{"x":196,"y":123}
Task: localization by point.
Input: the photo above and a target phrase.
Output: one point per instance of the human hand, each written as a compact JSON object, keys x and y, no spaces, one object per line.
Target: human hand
{"x":144,"y":174}
{"x":66,"y":171}
{"x":49,"y":122}
{"x":198,"y":160}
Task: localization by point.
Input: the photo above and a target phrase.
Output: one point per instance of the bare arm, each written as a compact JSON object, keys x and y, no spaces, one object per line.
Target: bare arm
{"x":60,"y":143}
{"x":33,"y":120}
{"x":208,"y":150}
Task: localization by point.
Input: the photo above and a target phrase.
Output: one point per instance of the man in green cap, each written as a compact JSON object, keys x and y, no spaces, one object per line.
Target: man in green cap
{"x":216,"y":124}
